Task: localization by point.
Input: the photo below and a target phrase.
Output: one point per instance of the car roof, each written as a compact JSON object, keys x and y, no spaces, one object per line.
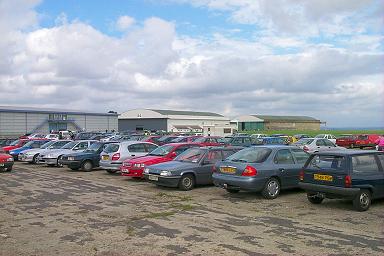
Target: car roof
{"x":220,"y":148}
{"x":130,"y":142}
{"x":176,"y":144}
{"x":275,"y":146}
{"x":345,"y":152}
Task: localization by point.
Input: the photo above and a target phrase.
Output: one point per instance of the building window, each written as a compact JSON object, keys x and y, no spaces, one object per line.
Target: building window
{"x":59,"y":117}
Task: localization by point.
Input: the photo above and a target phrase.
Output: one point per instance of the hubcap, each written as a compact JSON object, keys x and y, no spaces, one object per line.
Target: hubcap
{"x":87,"y":166}
{"x":273,"y":188}
{"x":364,"y":200}
{"x":187,"y":182}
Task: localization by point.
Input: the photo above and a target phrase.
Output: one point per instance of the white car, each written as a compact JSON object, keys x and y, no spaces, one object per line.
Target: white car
{"x":313,"y":145}
{"x":52,"y":136}
{"x":327,"y":136}
{"x":52,"y":157}
{"x":31,"y":155}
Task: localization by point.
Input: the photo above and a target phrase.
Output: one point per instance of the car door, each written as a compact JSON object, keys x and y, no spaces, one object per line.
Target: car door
{"x":136,"y":150}
{"x":319,"y":145}
{"x":205,"y":169}
{"x":286,"y":168}
{"x":329,"y":145}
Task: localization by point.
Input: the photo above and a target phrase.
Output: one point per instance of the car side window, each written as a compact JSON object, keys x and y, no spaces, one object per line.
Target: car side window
{"x":283,"y":156}
{"x":364,"y":164}
{"x":214,"y":155}
{"x":320,"y":143}
{"x":381,"y":159}
{"x":300,"y":156}
{"x":82,"y":145}
{"x":150,"y":147}
{"x":227,"y":153}
{"x":328,"y":143}
{"x":138,"y":148}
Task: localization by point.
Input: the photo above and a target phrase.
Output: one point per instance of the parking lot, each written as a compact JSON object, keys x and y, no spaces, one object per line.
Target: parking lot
{"x":47,"y":211}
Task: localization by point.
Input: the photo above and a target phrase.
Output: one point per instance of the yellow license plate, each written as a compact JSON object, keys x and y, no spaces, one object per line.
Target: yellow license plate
{"x":322,"y":177}
{"x":227,"y":169}
{"x":105,"y":157}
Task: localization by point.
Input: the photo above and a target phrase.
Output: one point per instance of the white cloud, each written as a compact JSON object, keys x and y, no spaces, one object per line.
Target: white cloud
{"x":124,"y":22}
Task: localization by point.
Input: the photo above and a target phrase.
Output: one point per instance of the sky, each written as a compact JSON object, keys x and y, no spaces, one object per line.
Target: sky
{"x":320,"y":58}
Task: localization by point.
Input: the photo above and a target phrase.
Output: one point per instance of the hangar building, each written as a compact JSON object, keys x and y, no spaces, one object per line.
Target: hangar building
{"x":16,"y":121}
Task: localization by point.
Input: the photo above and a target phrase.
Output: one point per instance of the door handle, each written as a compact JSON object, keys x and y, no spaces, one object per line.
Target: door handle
{"x":282,"y":169}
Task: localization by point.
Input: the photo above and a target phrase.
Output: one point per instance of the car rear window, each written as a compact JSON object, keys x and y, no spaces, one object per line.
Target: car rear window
{"x":327,"y":162}
{"x":362,"y":137}
{"x":251,"y":155}
{"x":112,"y":148}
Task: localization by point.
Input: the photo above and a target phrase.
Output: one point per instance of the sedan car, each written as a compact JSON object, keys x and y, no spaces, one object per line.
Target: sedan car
{"x":86,"y":160}
{"x":329,"y":137}
{"x":134,"y":167}
{"x":52,"y":157}
{"x":6,"y":162}
{"x":356,"y":175}
{"x":29,"y":145}
{"x":31,"y":155}
{"x":114,"y":154}
{"x":192,"y":167}
{"x":313,"y":145}
{"x":346,"y":140}
{"x":265,"y":169}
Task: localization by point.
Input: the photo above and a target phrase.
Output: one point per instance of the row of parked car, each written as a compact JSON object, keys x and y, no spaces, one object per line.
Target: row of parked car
{"x":329,"y":172}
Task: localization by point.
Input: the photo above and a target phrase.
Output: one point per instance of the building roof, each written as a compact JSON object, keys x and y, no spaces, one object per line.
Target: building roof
{"x":23,"y":109}
{"x":183,"y":113}
{"x":269,"y":118}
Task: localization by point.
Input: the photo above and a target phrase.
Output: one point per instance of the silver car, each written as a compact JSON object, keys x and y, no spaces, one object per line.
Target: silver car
{"x":115,"y":153}
{"x":52,"y":157}
{"x":30,"y":155}
{"x":313,"y":145}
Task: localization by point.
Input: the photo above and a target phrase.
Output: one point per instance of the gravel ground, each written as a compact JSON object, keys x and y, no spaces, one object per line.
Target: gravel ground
{"x":48,"y":211}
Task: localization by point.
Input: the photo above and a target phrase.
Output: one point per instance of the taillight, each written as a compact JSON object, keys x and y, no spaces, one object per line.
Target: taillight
{"x":116,"y":157}
{"x":348,"y":181}
{"x":249,"y":171}
{"x":301,"y":175}
{"x":305,"y":148}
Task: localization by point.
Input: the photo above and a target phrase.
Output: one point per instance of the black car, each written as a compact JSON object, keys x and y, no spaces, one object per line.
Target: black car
{"x":349,"y":174}
{"x":193,"y":166}
{"x":86,"y":160}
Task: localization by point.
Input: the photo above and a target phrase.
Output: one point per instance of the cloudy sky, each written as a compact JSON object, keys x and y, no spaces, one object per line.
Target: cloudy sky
{"x":322,"y":58}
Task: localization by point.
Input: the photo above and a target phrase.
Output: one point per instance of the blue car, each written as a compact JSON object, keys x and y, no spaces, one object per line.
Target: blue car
{"x":29,"y":145}
{"x":356,"y":175}
{"x":267,"y":169}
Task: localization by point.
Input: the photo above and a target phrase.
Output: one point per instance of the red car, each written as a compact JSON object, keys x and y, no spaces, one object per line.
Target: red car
{"x":209,"y":141}
{"x":6,"y":162}
{"x":151,"y":138}
{"x":134,"y":167}
{"x":186,"y":139}
{"x":346,"y":140}
{"x":16,"y":144}
{"x":366,"y":140}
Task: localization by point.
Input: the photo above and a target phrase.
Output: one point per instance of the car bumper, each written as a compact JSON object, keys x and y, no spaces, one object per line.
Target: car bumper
{"x":238,"y":182}
{"x":171,"y":181}
{"x":47,"y":161}
{"x":330,"y":191}
{"x":132,"y":172}
{"x":110,"y":165}
{"x":5,"y":166}
{"x":25,"y":158}
{"x":71,"y":164}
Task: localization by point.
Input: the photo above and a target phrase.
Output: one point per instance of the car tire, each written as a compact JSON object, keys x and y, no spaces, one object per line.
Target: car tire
{"x":232,"y":191}
{"x":362,"y":201}
{"x":313,"y":199}
{"x":58,"y":164}
{"x":34,"y":159}
{"x":87,"y":166}
{"x":111,"y":171}
{"x":9,"y":169}
{"x":271,"y":189}
{"x":187,"y":182}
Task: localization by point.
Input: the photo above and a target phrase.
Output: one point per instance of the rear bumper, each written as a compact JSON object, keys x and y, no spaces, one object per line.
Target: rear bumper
{"x":331,"y":191}
{"x":172,"y":181}
{"x":238,"y":182}
{"x":110,"y":165}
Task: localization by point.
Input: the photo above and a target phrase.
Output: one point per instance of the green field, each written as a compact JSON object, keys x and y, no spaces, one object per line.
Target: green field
{"x":314,"y":133}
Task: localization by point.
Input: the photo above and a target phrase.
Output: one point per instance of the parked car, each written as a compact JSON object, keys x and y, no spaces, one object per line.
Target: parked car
{"x":258,"y":135}
{"x":313,"y":145}
{"x":208,"y":141}
{"x":271,"y":141}
{"x":183,"y":139}
{"x":192,"y":167}
{"x":241,"y":141}
{"x":165,"y":139}
{"x":31,"y":155}
{"x":52,"y":136}
{"x":5,"y":142}
{"x":346,"y":140}
{"x":29,"y":145}
{"x":366,"y":140}
{"x":6,"y":162}
{"x":134,"y":167}
{"x":15,"y":144}
{"x":151,"y":138}
{"x":52,"y":157}
{"x":114,"y":154}
{"x":329,"y":137}
{"x":350,"y":174}
{"x":86,"y":160}
{"x":266,"y":169}
{"x":301,"y":136}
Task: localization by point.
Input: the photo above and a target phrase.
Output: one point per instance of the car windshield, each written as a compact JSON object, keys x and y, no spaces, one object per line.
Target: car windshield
{"x":112,"y":148}
{"x":70,"y":145}
{"x":29,"y":143}
{"x":161,"y":151}
{"x":14,"y":143}
{"x":251,"y":155}
{"x":303,"y":142}
{"x":179,"y":139}
{"x":192,"y":155}
{"x":200,"y":140}
{"x":320,"y":136}
{"x":327,"y":162}
{"x":94,"y":147}
{"x":362,"y":137}
{"x":49,"y":143}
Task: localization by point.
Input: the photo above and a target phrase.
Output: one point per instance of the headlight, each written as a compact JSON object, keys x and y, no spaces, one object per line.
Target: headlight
{"x":11,"y":152}
{"x":10,"y":159}
{"x":146,"y":171}
{"x":139,"y":165}
{"x":71,"y":158}
{"x":165,"y":173}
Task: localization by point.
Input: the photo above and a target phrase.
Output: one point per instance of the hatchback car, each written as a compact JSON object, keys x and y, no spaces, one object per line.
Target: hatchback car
{"x":366,"y":140}
{"x":313,"y":145}
{"x":346,"y":140}
{"x":194,"y":166}
{"x":6,"y":162}
{"x":350,"y":174}
{"x":114,"y":154}
{"x":265,"y":169}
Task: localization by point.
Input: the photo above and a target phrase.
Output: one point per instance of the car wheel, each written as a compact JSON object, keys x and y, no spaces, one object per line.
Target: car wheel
{"x":362,"y":201}
{"x":59,"y":164}
{"x":34,"y":159}
{"x":232,"y":191}
{"x":187,"y":182}
{"x":9,"y":169}
{"x":111,"y":171}
{"x":271,"y":189}
{"x":87,"y":166}
{"x":314,"y":199}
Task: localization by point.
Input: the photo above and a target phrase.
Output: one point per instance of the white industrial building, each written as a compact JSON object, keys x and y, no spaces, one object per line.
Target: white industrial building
{"x":16,"y":121}
{"x":206,"y":123}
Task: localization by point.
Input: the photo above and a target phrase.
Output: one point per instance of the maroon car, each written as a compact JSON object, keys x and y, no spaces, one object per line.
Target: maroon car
{"x":346,"y":140}
{"x":366,"y":140}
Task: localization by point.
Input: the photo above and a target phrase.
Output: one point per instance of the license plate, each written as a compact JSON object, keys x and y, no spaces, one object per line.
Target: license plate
{"x":105,"y":158}
{"x":153,"y":177}
{"x":124,"y":171}
{"x":227,"y":169}
{"x":322,"y":177}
